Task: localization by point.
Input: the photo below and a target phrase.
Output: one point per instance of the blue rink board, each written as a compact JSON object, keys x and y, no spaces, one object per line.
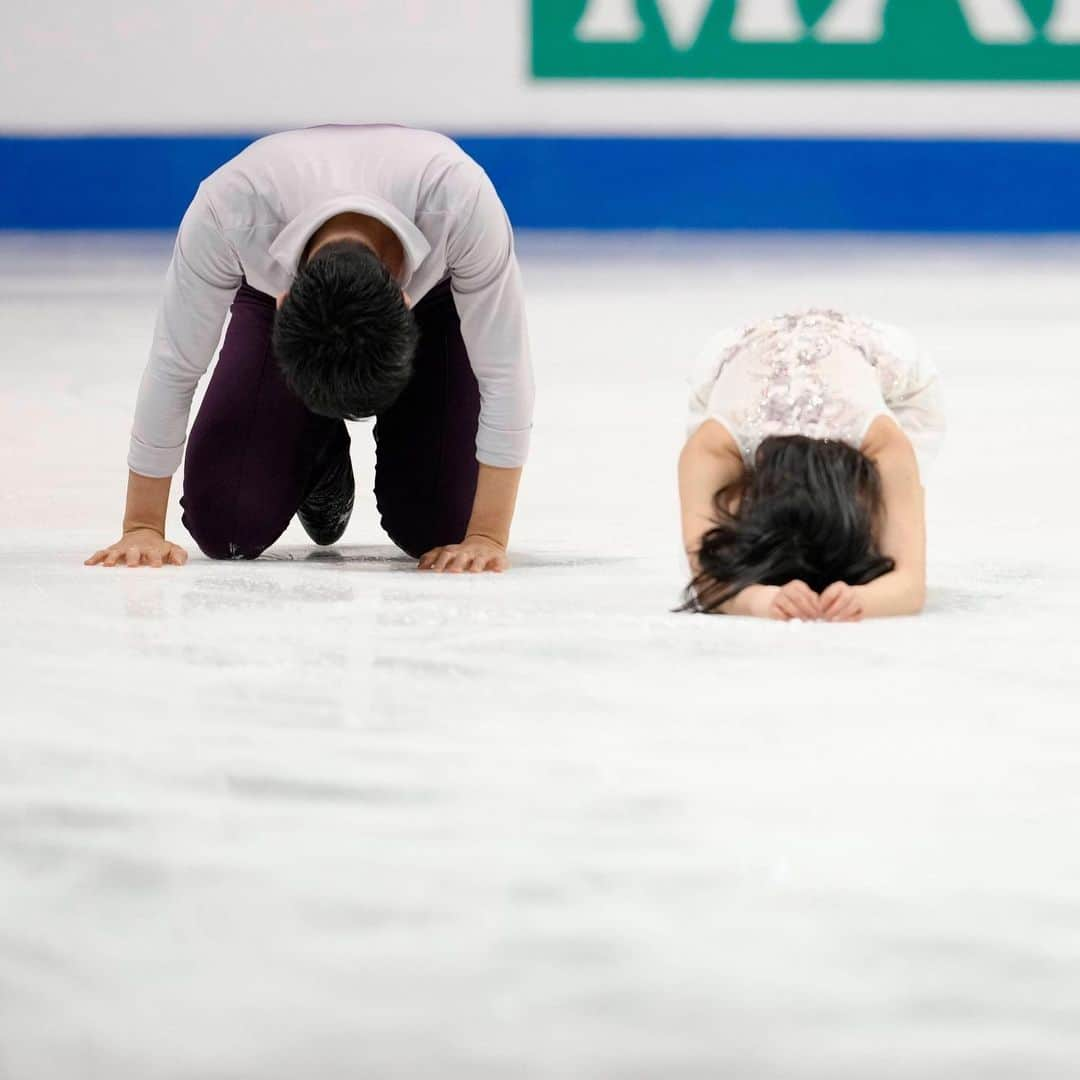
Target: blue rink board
{"x":591,"y":182}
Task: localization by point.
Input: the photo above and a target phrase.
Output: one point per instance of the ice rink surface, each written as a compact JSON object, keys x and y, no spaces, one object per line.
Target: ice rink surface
{"x":322,"y":816}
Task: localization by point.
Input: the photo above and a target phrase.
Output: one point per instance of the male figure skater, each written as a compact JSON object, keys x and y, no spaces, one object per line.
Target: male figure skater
{"x":370,"y":272}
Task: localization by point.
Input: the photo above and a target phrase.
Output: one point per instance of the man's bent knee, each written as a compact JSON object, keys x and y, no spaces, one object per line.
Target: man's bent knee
{"x":219,"y":528}
{"x":416,"y":534}
{"x":410,"y":540}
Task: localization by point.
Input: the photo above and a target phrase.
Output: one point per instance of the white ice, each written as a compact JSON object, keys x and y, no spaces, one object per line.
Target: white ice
{"x":321,"y":816}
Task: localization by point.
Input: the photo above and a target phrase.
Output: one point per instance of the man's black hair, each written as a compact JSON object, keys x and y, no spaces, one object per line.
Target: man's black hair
{"x":344,"y":337}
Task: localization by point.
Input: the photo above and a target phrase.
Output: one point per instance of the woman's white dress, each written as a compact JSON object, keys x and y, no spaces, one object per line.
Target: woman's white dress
{"x":822,"y":374}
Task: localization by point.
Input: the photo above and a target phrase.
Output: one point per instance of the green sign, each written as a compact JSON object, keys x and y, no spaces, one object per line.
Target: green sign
{"x":954,"y":40}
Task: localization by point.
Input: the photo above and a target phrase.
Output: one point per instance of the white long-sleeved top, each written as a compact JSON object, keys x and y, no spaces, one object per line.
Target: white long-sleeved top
{"x":252,"y":220}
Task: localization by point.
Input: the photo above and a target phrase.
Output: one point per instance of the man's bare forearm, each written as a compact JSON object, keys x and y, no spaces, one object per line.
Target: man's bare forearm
{"x":147,"y":503}
{"x":493,"y":507}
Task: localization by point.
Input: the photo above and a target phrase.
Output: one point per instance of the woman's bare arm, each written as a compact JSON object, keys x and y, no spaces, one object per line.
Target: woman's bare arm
{"x":709,"y":461}
{"x":903,"y":533}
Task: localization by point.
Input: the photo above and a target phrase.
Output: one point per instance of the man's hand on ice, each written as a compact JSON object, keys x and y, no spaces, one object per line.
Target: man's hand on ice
{"x":474,"y":554}
{"x":140,"y":547}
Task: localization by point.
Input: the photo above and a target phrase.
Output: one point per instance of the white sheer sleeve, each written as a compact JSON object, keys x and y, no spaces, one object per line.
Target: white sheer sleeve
{"x":703,"y":374}
{"x":912,"y":390}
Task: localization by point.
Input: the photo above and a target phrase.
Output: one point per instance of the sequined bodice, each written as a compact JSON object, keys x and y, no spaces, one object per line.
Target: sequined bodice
{"x":818,"y":373}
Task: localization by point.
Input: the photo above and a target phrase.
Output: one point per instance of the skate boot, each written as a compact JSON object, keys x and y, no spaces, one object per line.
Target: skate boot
{"x":326,"y":511}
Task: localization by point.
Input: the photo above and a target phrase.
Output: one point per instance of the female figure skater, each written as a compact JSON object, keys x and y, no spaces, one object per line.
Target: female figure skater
{"x":800,"y":479}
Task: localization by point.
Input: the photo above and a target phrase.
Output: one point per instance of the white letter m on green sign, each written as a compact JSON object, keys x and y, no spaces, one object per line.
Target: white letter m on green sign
{"x":992,"y":22}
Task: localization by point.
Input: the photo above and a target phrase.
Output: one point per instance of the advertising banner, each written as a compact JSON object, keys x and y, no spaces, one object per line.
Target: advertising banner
{"x":868,"y":40}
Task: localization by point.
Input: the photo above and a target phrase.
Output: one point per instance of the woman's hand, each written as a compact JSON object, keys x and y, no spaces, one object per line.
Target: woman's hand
{"x":474,"y":554}
{"x":140,"y":547}
{"x":795,"y":600}
{"x":841,"y":602}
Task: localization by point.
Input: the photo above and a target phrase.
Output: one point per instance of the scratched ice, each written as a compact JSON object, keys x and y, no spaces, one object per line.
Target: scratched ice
{"x":318,"y":815}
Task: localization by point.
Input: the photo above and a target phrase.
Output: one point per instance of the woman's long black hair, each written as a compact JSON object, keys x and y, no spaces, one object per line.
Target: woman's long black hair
{"x":807,"y":509}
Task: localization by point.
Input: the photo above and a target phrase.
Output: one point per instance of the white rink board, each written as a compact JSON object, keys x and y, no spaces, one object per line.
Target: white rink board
{"x":462,"y":67}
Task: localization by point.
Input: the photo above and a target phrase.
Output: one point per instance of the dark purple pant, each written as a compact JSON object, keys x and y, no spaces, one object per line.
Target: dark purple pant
{"x":255,"y":451}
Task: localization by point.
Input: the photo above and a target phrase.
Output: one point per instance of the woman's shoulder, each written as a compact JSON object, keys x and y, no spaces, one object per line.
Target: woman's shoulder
{"x":885,"y":438}
{"x":714,"y":436}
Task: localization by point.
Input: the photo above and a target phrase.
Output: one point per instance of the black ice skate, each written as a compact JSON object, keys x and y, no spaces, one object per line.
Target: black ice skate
{"x":326,"y":511}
